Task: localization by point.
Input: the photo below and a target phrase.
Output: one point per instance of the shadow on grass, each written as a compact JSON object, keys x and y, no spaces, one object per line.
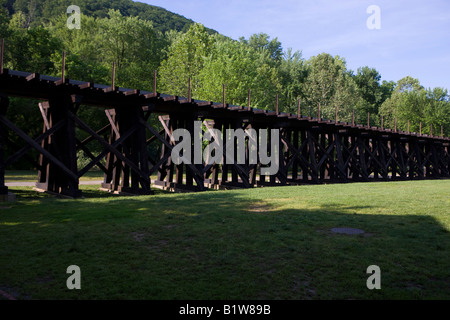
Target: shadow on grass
{"x":216,"y":245}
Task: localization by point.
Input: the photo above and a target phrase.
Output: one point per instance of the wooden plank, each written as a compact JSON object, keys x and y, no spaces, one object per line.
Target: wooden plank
{"x":112,"y":123}
{"x":44,"y":116}
{"x":4,"y":101}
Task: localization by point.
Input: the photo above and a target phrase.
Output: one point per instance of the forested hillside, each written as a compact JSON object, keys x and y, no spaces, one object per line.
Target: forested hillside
{"x":39,"y":12}
{"x":141,"y":38}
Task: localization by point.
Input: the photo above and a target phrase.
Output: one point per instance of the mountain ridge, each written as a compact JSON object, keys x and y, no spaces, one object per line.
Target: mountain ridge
{"x":39,"y":12}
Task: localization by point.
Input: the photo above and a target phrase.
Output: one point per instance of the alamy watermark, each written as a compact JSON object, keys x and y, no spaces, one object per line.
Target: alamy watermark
{"x":374,"y":21}
{"x":74,"y":281}
{"x":249,"y":141}
{"x":74,"y":20}
{"x":374,"y":281}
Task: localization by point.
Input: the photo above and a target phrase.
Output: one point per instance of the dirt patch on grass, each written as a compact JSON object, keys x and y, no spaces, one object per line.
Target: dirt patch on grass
{"x":329,"y":232}
{"x":413,"y":286}
{"x":45,"y":280}
{"x":138,"y":236}
{"x":158,"y":247}
{"x":259,"y":208}
{"x":304,"y":287}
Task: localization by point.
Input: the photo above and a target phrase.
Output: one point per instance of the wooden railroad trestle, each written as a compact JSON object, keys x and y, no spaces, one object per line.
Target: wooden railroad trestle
{"x":312,"y":150}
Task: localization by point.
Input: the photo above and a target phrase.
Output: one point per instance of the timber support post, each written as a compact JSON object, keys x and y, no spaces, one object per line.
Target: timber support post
{"x":128,"y":162}
{"x":4,"y":101}
{"x":53,"y":177}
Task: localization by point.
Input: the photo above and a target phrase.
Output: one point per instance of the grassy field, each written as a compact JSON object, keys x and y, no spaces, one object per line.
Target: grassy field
{"x":265,"y":243}
{"x":31,"y":176}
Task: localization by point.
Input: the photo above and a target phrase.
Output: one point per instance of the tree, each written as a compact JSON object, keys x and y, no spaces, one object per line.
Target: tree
{"x":368,"y":81}
{"x":185,"y":59}
{"x":412,"y":102}
{"x":330,"y":84}
{"x":85,"y":59}
{"x":39,"y":12}
{"x":131,"y":43}
{"x":262,"y":42}
{"x":4,"y":20}
{"x":292,"y":73}
{"x":134,"y":46}
{"x":28,"y":49}
{"x":240,"y":67}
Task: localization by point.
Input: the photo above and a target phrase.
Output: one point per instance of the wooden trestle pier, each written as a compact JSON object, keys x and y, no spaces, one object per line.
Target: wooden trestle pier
{"x":313,"y":150}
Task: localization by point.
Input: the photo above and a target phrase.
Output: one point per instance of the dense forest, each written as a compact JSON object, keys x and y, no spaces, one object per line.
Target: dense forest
{"x":141,"y":38}
{"x":40,"y":12}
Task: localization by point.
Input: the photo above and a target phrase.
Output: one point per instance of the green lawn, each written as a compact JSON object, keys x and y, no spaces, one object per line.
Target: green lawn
{"x":264,"y":243}
{"x":31,"y":176}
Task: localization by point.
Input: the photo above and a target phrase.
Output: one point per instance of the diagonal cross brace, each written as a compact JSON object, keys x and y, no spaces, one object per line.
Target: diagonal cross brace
{"x":36,"y":146}
{"x":109,"y":147}
{"x":95,"y":160}
{"x":38,"y":140}
{"x":351,"y":154}
{"x":198,"y":175}
{"x":303,"y":163}
{"x":327,"y":154}
{"x":375,"y":159}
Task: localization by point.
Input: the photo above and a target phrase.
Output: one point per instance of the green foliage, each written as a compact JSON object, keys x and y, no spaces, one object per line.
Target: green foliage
{"x":368,"y":81}
{"x":262,"y":42}
{"x":132,"y":43}
{"x":135,"y":47}
{"x":292,"y":73}
{"x":38,"y":12}
{"x":412,"y":102}
{"x":29,"y":49}
{"x":331,"y":85}
{"x":141,"y":38}
{"x":185,"y":59}
{"x":240,"y":68}
{"x":4,"y":21}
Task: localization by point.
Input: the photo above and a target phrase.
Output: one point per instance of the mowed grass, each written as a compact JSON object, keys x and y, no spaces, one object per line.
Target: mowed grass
{"x":32,"y":176}
{"x":264,"y":243}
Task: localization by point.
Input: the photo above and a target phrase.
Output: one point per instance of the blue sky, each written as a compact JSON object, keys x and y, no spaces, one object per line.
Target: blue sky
{"x":414,"y":38}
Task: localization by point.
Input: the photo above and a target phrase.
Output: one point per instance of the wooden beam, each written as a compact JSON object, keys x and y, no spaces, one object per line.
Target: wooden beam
{"x":90,"y":155}
{"x":44,"y":116}
{"x":39,"y":139}
{"x":113,"y":82}
{"x":36,"y":146}
{"x":112,"y":123}
{"x":189,"y":91}
{"x":276,"y":105}
{"x":63,"y":69}
{"x":2,"y":48}
{"x":106,"y":145}
{"x":168,"y":145}
{"x":154,"y":82}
